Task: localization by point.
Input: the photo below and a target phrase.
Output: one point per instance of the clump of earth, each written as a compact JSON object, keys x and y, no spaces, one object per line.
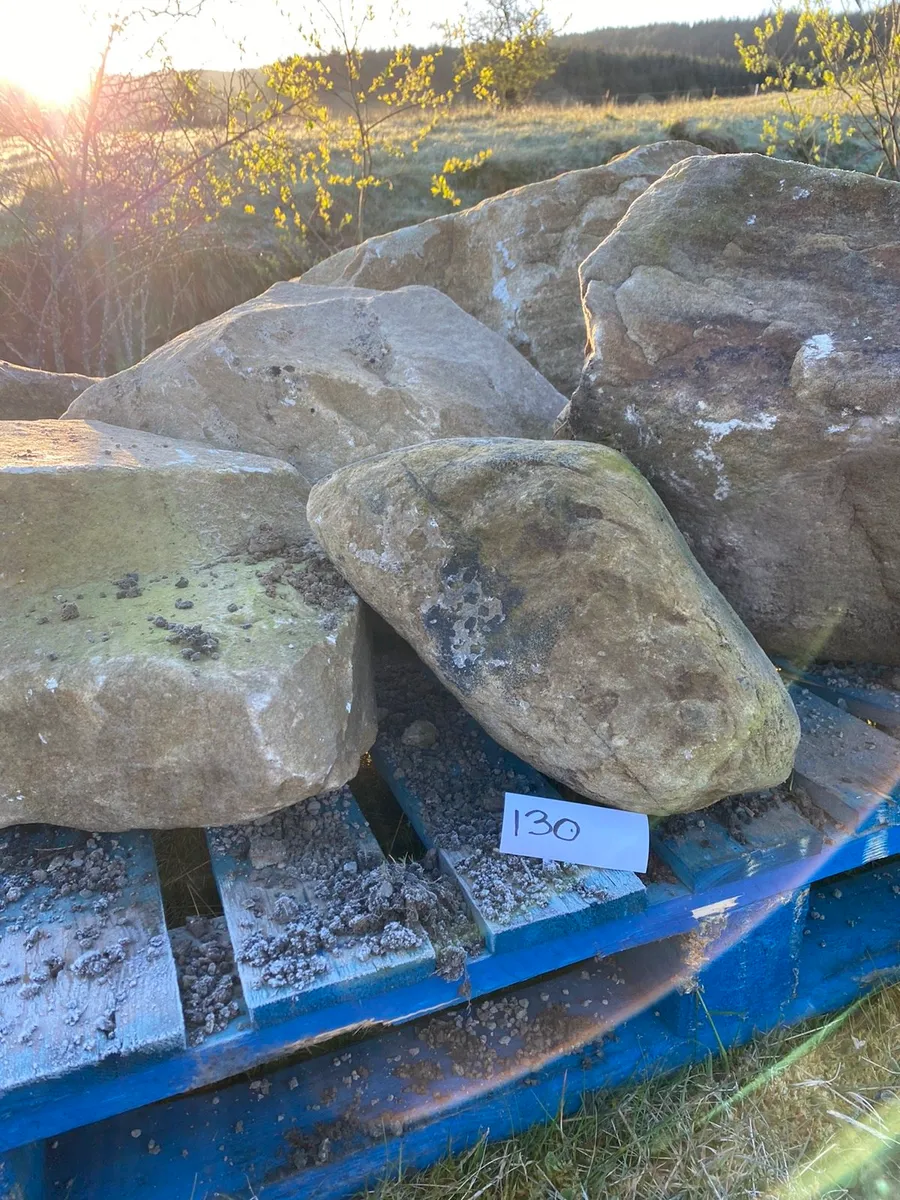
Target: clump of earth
{"x":461,"y":791}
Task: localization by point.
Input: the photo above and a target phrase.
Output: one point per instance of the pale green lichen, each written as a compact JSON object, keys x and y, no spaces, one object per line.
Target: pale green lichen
{"x":108,"y":629}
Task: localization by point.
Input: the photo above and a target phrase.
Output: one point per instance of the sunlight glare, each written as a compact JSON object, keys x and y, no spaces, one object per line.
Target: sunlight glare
{"x":49,"y":51}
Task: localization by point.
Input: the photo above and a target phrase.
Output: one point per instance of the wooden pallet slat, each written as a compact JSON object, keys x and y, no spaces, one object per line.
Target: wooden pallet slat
{"x":264,"y":889}
{"x":868,"y":701}
{"x":86,"y":976}
{"x":702,"y":852}
{"x":588,"y":897}
{"x":850,"y":768}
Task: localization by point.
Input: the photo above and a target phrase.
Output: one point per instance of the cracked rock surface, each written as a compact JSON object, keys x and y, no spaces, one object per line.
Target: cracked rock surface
{"x":743,"y":353}
{"x":174,"y":651}
{"x":322,"y":377}
{"x":512,"y":260}
{"x":549,"y":590}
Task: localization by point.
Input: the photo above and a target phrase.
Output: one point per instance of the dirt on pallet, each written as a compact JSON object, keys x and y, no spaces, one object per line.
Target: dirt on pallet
{"x":333,"y":891}
{"x":89,"y":867}
{"x":207,"y":979}
{"x":858,"y":675}
{"x":437,"y":751}
{"x":487,"y":1038}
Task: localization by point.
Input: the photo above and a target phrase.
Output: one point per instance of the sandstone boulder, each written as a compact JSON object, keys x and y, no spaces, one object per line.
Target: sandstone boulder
{"x":324,"y":376}
{"x":744,"y":355}
{"x":512,"y":261}
{"x":550,"y":591}
{"x":166,"y":657}
{"x":28,"y":395}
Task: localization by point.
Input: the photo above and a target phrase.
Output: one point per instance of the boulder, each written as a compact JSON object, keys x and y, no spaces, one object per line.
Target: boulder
{"x":744,"y":355}
{"x":550,"y":591}
{"x":28,"y":395}
{"x":324,"y":376}
{"x":512,"y":261}
{"x":171,"y":653}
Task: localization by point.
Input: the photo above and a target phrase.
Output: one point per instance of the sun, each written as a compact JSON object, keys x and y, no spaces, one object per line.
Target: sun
{"x":48,"y":51}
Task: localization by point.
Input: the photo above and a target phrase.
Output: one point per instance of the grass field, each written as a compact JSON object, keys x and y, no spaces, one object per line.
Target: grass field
{"x":215,"y":265}
{"x":537,"y":142}
{"x":812,"y":1114}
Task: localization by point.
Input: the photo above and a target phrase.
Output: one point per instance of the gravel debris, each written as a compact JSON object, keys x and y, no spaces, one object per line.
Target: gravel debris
{"x":207,"y":978}
{"x":87,"y":866}
{"x":494,"y":1033}
{"x":69,"y":611}
{"x":305,"y":568}
{"x":461,"y":792}
{"x":333,"y":891}
{"x":127,"y":586}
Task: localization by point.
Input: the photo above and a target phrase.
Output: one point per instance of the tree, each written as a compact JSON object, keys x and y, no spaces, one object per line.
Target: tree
{"x":506,"y":50}
{"x":121,"y":219}
{"x":838,"y":76}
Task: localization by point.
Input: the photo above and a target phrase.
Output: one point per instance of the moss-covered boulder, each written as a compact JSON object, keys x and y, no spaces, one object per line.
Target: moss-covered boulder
{"x":173,"y":649}
{"x":550,"y":591}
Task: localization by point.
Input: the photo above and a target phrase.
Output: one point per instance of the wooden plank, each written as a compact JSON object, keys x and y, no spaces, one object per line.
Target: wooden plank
{"x":86,"y":970}
{"x":449,"y":777}
{"x":870,"y":701}
{"x":738,"y":837}
{"x":329,"y":1128}
{"x":297,"y":891}
{"x":742,"y":966}
{"x":849,"y":768}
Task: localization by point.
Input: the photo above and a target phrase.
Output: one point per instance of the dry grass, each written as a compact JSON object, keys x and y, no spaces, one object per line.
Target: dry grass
{"x":810,"y":1113}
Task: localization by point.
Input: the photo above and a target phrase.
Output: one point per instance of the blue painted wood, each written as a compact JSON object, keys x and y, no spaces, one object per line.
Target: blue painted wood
{"x":66,"y":1103}
{"x":849,"y":768}
{"x":22,"y":1173}
{"x":251,"y":896}
{"x":329,"y":1127}
{"x":85,"y":977}
{"x":744,"y":967}
{"x":588,"y":895}
{"x":871,"y":702}
{"x":702,"y":853}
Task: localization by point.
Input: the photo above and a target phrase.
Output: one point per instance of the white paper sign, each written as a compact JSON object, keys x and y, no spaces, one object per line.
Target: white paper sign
{"x":575,"y":833}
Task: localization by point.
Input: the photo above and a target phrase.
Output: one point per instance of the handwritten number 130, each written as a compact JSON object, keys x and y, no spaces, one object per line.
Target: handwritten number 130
{"x":565,"y":829}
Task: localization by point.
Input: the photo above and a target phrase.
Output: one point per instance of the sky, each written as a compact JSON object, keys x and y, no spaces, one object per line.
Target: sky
{"x":49,"y":47}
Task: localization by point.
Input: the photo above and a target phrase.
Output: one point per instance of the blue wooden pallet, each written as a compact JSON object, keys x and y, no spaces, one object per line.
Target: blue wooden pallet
{"x":326,"y":1128}
{"x":745,"y":874}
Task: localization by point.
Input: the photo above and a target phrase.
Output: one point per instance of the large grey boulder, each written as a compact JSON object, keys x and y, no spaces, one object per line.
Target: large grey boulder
{"x":324,"y":376}
{"x":29,"y":395}
{"x":548,"y":588}
{"x":512,"y":261}
{"x":744,"y":354}
{"x":165,"y":658}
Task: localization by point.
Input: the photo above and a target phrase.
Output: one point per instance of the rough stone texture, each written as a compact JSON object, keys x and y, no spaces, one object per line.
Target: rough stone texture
{"x":325,"y":376}
{"x":550,"y":591}
{"x":149,"y":676}
{"x":744,"y":355}
{"x":28,"y":395}
{"x":512,"y":261}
